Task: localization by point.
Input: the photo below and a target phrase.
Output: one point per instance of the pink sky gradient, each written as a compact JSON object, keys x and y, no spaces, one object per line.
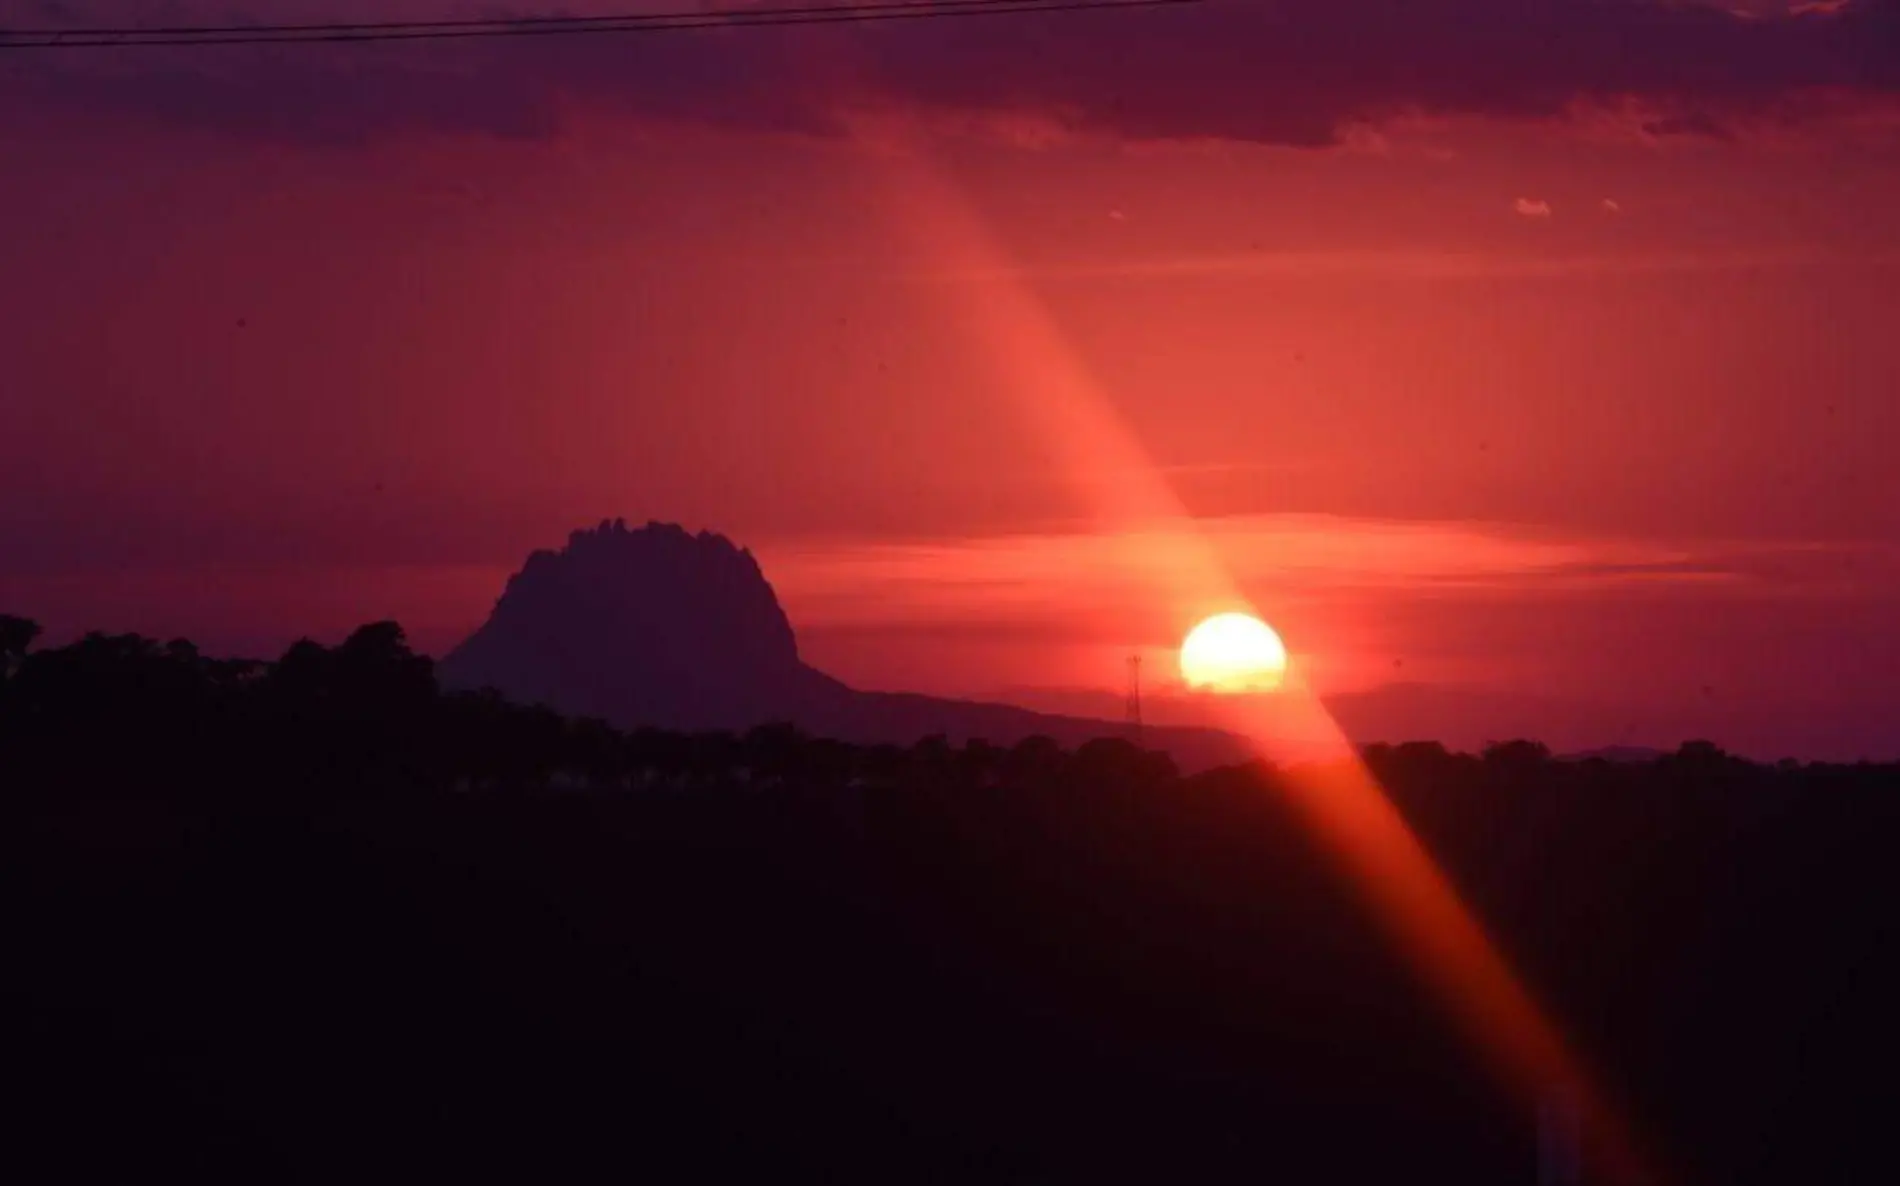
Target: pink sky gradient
{"x":1620,"y":472}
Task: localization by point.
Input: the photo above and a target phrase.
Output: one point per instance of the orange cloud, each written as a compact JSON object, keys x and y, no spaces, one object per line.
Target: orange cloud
{"x":1296,"y":555}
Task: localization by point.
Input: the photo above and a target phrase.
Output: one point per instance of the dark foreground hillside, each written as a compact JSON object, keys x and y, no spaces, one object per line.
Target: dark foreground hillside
{"x":315,"y":922}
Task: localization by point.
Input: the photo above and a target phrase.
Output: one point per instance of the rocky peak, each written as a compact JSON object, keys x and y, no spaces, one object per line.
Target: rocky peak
{"x":636,"y":621}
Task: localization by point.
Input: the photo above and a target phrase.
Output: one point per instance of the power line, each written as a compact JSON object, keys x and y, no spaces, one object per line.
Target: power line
{"x":667,"y":22}
{"x":452,"y":23}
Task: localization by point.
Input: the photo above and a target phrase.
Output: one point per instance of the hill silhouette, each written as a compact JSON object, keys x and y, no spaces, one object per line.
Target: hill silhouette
{"x":660,"y":627}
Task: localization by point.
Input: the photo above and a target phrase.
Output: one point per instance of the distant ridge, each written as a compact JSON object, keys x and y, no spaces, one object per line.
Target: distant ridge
{"x":658,"y":626}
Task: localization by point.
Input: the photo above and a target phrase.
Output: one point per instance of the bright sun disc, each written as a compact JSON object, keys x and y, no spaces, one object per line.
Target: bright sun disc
{"x":1233,"y":653}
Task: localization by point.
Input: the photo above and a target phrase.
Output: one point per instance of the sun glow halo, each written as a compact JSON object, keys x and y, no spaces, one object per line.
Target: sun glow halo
{"x":1232,"y":653}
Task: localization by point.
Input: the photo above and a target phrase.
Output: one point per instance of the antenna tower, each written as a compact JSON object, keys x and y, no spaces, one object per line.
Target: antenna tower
{"x":1134,"y":695}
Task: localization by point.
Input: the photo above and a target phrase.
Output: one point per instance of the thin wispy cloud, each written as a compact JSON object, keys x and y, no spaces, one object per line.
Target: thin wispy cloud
{"x":1296,"y":555}
{"x":1410,"y":264}
{"x":1532,"y":207}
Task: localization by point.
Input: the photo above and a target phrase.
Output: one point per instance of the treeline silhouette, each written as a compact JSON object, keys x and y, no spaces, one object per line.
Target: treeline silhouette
{"x":315,"y":918}
{"x":366,"y":718}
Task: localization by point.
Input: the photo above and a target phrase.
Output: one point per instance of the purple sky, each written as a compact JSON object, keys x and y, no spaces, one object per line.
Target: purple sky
{"x":1529,"y":363}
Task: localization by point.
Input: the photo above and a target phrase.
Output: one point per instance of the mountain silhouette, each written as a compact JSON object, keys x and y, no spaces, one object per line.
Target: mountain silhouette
{"x":658,"y":626}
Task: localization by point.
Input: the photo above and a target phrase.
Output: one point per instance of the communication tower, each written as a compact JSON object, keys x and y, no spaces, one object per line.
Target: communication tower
{"x":1134,"y":696}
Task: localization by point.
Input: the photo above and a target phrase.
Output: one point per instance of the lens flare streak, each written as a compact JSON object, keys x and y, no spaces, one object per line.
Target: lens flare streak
{"x":1402,"y":884}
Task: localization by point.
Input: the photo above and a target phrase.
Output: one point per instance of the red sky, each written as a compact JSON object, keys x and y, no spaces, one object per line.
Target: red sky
{"x":1529,"y":365}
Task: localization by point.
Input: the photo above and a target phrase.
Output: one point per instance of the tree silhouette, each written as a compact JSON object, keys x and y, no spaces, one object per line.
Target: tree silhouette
{"x":773,"y":754}
{"x":979,"y":763}
{"x":1034,"y":759}
{"x":16,"y":639}
{"x":1517,"y":759}
{"x":1118,"y":763}
{"x":1704,"y":754}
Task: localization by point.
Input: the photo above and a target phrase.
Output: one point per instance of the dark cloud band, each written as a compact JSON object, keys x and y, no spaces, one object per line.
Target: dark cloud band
{"x":1267,"y":71}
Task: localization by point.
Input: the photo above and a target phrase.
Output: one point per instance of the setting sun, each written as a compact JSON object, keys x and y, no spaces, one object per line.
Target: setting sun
{"x":1233,"y":653}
